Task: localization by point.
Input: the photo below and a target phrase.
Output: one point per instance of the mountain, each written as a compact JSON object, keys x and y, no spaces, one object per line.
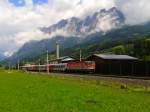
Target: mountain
{"x":73,"y":31}
{"x":94,"y":43}
{"x":2,"y":57}
{"x":102,"y":21}
{"x":97,"y":43}
{"x":93,"y":39}
{"x":33,"y":49}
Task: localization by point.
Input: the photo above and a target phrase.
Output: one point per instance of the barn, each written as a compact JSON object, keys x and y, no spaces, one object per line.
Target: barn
{"x":113,"y":64}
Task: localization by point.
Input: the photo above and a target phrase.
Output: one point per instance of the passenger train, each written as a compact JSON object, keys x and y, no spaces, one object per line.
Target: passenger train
{"x":76,"y":66}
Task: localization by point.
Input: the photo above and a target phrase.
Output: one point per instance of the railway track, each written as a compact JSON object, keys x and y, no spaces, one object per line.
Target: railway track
{"x":143,"y":81}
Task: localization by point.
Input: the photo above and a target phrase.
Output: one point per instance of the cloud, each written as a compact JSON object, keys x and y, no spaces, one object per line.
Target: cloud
{"x":23,"y":37}
{"x":7,"y":44}
{"x":20,"y":24}
{"x":8,"y":53}
{"x":135,"y":11}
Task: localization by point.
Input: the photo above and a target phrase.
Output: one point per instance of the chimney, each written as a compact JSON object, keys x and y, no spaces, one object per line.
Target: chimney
{"x":57,"y":50}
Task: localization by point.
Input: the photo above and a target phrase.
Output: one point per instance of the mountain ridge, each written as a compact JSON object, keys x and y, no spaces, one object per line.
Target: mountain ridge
{"x":2,"y":57}
{"x":101,"y":21}
{"x":34,"y":50}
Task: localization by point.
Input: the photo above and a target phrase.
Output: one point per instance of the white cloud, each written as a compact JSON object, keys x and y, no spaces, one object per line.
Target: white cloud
{"x":135,"y":11}
{"x":23,"y":37}
{"x":19,"y":24}
{"x":8,"y":53}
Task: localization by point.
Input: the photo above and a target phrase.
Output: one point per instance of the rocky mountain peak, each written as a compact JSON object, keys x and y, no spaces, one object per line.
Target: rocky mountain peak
{"x":102,"y":21}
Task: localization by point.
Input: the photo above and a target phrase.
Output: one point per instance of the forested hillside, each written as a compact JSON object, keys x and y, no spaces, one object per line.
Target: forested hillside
{"x":137,"y":47}
{"x":131,"y":40}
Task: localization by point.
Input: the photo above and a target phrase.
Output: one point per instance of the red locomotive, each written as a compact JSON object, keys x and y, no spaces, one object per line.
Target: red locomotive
{"x":81,"y":66}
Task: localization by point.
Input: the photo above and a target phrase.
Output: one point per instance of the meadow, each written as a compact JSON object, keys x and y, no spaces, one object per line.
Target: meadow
{"x":25,"y":92}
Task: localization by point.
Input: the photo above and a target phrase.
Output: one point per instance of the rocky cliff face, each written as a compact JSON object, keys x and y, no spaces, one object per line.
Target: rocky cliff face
{"x":102,"y":21}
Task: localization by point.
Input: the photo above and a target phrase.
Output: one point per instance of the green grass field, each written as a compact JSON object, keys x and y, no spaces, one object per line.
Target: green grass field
{"x":22,"y":92}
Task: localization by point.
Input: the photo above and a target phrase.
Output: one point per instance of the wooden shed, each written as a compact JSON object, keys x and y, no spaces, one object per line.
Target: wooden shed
{"x":113,"y":64}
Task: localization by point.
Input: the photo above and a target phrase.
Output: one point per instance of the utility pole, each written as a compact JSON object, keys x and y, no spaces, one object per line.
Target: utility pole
{"x":18,"y":65}
{"x":57,"y":50}
{"x":80,"y":55}
{"x":9,"y":66}
{"x":47,"y":63}
{"x":39,"y":65}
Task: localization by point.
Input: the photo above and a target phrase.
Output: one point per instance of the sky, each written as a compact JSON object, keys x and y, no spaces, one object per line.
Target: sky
{"x":20,"y":19}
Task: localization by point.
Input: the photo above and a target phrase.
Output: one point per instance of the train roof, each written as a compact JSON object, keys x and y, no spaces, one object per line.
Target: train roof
{"x":67,"y":59}
{"x":63,"y":59}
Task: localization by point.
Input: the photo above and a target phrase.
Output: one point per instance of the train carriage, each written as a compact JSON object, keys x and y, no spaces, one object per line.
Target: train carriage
{"x":41,"y":68}
{"x":58,"y":67}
